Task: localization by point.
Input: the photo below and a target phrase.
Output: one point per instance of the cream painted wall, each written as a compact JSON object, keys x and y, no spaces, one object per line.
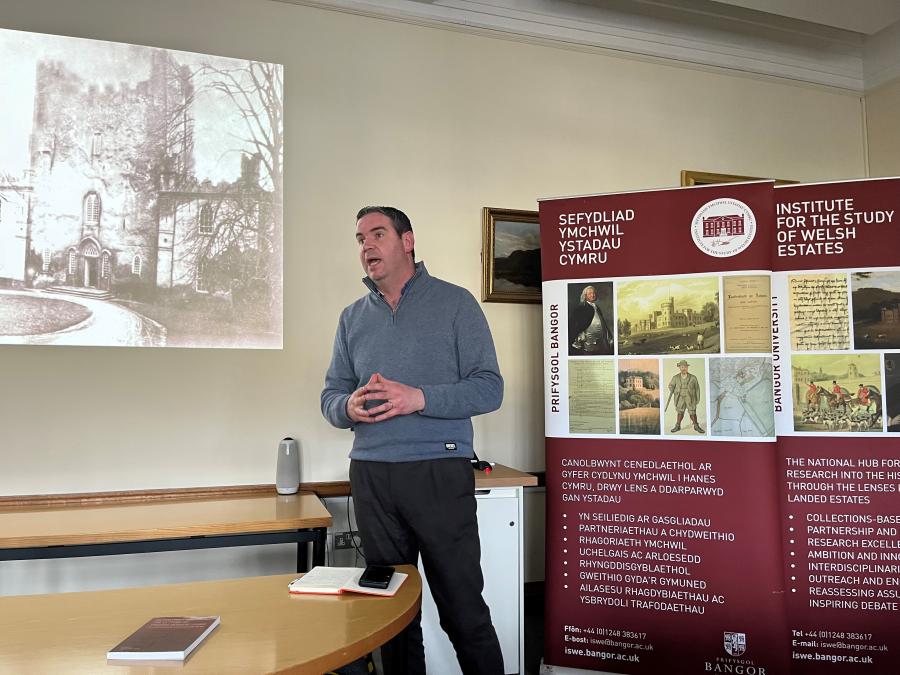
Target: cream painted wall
{"x":437,"y":122}
{"x":883,"y":129}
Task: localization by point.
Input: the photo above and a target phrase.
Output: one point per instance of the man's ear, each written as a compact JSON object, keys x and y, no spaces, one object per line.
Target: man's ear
{"x":409,"y":242}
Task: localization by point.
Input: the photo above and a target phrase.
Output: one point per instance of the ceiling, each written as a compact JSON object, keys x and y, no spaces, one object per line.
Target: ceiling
{"x":853,"y":45}
{"x":860,"y":16}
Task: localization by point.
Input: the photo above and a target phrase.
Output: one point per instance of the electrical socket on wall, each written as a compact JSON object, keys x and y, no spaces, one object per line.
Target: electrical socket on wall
{"x":343,"y":540}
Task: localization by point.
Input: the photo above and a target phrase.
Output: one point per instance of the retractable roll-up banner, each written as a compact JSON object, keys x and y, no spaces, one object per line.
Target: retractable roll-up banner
{"x":721,"y":480}
{"x":836,"y":289}
{"x":663,"y":542}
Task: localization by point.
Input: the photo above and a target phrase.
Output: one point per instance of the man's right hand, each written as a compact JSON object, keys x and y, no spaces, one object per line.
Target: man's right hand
{"x":356,"y":404}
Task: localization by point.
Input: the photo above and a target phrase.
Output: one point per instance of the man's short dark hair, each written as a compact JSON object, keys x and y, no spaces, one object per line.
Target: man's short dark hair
{"x":398,"y":219}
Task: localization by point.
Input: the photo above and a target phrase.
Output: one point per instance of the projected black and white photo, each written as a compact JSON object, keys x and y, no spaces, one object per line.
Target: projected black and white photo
{"x":140,"y":196}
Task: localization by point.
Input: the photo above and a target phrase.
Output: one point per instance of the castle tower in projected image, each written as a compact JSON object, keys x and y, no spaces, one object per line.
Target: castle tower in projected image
{"x":111,"y":200}
{"x":99,"y":156}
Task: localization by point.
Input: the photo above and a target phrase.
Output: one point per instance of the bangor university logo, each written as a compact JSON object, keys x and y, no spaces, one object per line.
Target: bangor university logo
{"x":735,"y":643}
{"x":723,"y":227}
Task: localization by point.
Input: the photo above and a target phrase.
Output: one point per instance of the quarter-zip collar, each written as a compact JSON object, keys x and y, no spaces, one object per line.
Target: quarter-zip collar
{"x":420,"y":271}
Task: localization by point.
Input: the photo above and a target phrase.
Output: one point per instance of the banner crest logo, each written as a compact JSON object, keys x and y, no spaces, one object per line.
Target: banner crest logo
{"x":735,"y":643}
{"x":723,"y":227}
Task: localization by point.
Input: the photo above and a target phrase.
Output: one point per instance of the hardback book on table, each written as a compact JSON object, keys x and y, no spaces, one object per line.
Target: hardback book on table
{"x":164,"y":638}
{"x":336,"y":580}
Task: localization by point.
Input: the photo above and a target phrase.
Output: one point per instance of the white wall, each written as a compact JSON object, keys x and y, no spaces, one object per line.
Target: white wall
{"x":435,"y":121}
{"x":883,"y":127}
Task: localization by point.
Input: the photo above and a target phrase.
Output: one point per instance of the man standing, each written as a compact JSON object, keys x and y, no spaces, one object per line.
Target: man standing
{"x":685,"y":389}
{"x":413,"y":361}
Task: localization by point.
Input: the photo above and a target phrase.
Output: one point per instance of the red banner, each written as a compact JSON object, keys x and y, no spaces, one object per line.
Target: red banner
{"x":837,"y":296}
{"x":719,"y":371}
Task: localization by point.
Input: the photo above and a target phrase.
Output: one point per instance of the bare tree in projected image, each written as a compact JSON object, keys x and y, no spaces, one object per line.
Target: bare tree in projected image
{"x":257,"y":91}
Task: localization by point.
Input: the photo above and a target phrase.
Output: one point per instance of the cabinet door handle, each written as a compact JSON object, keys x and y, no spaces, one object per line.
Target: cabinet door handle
{"x":483,"y":492}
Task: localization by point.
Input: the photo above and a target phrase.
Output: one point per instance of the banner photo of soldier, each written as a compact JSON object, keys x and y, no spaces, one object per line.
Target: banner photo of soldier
{"x":684,"y":411}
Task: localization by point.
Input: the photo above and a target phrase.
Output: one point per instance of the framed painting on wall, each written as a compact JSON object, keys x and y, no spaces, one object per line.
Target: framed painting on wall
{"x":510,"y":256}
{"x":689,"y":178}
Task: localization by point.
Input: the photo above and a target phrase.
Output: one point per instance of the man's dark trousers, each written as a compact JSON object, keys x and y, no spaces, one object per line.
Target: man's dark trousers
{"x":405,"y":508}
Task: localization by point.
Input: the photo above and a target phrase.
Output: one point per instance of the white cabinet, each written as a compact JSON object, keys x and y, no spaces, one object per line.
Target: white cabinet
{"x":500,"y":529}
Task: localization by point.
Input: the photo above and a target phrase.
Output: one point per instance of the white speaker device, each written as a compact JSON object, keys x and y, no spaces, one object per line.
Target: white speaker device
{"x":287,"y":476}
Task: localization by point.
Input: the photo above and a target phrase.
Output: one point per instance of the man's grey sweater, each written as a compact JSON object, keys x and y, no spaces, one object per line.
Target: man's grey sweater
{"x":437,"y":340}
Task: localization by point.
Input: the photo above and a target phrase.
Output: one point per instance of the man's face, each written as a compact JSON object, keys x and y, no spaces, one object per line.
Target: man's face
{"x":589,"y":294}
{"x":683,"y":369}
{"x":382,"y":252}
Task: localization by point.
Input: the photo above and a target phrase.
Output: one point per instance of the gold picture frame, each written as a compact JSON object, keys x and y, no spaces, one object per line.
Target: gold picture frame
{"x":689,"y":178}
{"x":510,"y":256}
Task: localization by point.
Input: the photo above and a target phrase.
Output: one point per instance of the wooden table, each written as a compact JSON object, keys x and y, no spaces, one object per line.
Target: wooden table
{"x":264,"y":629}
{"x":503,"y":476}
{"x":165,"y":525}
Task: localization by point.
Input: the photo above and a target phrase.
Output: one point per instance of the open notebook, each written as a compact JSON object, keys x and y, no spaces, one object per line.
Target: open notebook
{"x":336,"y":580}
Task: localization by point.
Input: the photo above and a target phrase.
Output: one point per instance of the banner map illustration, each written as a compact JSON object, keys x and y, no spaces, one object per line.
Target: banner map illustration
{"x":722,"y":386}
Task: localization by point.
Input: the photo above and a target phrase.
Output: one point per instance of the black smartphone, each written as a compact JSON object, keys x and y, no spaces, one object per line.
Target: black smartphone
{"x":376,"y":576}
